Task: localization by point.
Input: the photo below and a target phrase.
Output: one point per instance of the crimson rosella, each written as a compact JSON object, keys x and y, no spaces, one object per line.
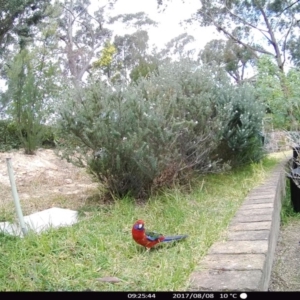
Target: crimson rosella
{"x":150,"y":239}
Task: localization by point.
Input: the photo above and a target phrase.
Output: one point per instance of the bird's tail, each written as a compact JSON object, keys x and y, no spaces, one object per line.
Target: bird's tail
{"x":174,"y":238}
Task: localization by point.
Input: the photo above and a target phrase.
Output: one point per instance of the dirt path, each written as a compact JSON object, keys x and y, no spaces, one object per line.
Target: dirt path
{"x":285,"y":274}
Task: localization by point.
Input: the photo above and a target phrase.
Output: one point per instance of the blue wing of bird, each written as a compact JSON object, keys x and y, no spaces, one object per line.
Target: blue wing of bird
{"x":175,"y":238}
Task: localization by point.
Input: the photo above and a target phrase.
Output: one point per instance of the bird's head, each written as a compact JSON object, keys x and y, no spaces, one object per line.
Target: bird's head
{"x":139,"y":225}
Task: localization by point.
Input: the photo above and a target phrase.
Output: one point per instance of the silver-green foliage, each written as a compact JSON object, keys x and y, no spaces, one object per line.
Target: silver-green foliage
{"x":31,"y":88}
{"x":136,"y":137}
{"x":280,"y":92}
{"x":242,"y":128}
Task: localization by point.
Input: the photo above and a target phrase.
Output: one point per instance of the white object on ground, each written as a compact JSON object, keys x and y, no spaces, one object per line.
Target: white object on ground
{"x":50,"y":218}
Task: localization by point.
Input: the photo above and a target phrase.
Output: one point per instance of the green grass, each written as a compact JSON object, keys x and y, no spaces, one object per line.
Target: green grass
{"x":74,"y":258}
{"x":287,"y":212}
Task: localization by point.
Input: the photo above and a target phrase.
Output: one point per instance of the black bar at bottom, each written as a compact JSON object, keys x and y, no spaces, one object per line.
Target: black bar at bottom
{"x":160,"y":295}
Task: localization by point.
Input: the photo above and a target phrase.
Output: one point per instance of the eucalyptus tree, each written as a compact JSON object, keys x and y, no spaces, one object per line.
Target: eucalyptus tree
{"x":18,"y":20}
{"x":177,"y":48}
{"x":139,"y":20}
{"x":131,"y":50}
{"x":124,"y":53}
{"x":83,"y":34}
{"x":231,"y":56}
{"x":119,"y":58}
{"x":261,"y":26}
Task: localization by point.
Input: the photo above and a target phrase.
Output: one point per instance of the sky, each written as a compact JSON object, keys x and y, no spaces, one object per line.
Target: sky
{"x":168,"y":20}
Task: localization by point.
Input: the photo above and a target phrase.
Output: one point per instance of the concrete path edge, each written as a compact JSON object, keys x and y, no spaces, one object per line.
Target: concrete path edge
{"x":244,"y":261}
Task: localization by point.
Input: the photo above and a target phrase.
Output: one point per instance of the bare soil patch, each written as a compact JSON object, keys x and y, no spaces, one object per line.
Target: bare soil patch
{"x":43,"y":180}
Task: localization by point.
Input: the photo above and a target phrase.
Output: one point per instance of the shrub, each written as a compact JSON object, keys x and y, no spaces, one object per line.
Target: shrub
{"x":241,"y":136}
{"x":158,"y":130}
{"x":48,"y":139}
{"x":125,"y":144}
{"x":9,"y":138}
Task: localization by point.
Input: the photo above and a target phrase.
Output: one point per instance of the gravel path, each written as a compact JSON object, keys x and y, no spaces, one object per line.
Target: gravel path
{"x":285,"y":274}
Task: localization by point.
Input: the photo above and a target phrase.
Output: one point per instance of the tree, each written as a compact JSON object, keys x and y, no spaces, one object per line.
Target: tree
{"x":233,"y":57}
{"x":33,"y":81}
{"x":261,"y":26}
{"x":144,"y":69}
{"x":118,"y":59}
{"x":282,"y":105}
{"x":127,"y":51}
{"x":176,"y":47}
{"x":28,"y":30}
{"x":84,"y":35}
{"x":131,"y":51}
{"x":18,"y":18}
{"x":138,"y":20}
{"x":106,"y":59}
{"x":294,"y":49}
